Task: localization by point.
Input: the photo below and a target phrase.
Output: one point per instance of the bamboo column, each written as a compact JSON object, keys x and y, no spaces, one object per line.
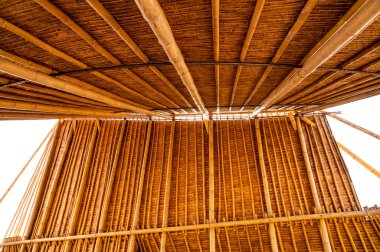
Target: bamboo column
{"x":272,"y":231}
{"x":50,"y":194}
{"x":322,"y":223}
{"x":104,"y":211}
{"x":357,"y":158}
{"x":136,"y":216}
{"x":167,"y":186}
{"x":211,"y":184}
{"x":370,"y":133}
{"x":83,"y":184}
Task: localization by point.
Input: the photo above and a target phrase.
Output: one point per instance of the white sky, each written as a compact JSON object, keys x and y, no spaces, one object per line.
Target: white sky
{"x":19,"y":139}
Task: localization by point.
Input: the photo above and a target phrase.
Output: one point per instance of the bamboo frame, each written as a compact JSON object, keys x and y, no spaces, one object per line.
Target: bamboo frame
{"x":326,"y":216}
{"x":358,"y":159}
{"x":154,"y":15}
{"x":284,"y":44}
{"x":251,"y":29}
{"x":362,"y":14}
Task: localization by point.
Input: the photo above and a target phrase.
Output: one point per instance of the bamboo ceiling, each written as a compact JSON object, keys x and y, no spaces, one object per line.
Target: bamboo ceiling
{"x":118,"y":58}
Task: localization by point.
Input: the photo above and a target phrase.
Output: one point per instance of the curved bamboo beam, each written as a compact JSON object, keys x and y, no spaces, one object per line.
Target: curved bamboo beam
{"x":110,"y":20}
{"x":55,"y":11}
{"x":36,"y":41}
{"x":252,"y":27}
{"x":355,"y":126}
{"x":284,"y":44}
{"x":215,"y":35}
{"x":154,"y":15}
{"x":9,"y":67}
{"x":359,"y":17}
{"x":26,"y":165}
{"x":358,"y":159}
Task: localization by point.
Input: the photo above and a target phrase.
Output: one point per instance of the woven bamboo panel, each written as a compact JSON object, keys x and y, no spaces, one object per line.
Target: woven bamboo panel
{"x":100,"y":173}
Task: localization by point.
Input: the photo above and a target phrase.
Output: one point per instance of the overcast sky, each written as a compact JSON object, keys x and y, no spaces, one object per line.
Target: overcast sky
{"x":19,"y":139}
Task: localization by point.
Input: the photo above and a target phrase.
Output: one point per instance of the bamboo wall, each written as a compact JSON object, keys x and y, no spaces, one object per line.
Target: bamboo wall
{"x":115,"y":175}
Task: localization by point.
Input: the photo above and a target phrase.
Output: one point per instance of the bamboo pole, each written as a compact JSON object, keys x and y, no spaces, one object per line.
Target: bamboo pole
{"x":355,"y":126}
{"x":167,"y":186}
{"x":284,"y":44}
{"x":251,"y":29}
{"x":272,"y":231}
{"x":359,"y":17}
{"x":358,"y":159}
{"x":215,"y":35}
{"x":322,"y":223}
{"x":102,"y":11}
{"x":107,"y":199}
{"x":273,"y":220}
{"x":9,"y":67}
{"x":26,"y":165}
{"x":211,"y":185}
{"x":132,"y":239}
{"x":83,"y":184}
{"x":154,"y":15}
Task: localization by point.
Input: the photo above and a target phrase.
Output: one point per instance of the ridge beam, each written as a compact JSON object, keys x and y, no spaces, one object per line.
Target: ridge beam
{"x":154,"y":15}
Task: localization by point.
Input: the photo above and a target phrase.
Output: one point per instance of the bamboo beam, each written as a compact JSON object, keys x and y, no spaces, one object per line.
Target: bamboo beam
{"x":109,"y":186}
{"x":359,"y":17}
{"x":168,"y":183}
{"x":355,"y":126}
{"x":215,"y":35}
{"x":314,"y":191}
{"x":252,"y":27}
{"x":136,"y":216}
{"x":284,"y":44}
{"x":110,"y":20}
{"x":358,"y":159}
{"x":211,"y":184}
{"x":26,"y":165}
{"x":272,"y":231}
{"x":154,"y":15}
{"x":36,"y":41}
{"x":9,"y":67}
{"x":287,"y":219}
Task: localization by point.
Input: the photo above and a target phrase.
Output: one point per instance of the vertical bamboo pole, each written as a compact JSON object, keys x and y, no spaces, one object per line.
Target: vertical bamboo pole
{"x":83,"y":184}
{"x":50,"y":194}
{"x":211,"y":184}
{"x":272,"y":231}
{"x":167,"y":186}
{"x":132,"y":238}
{"x":42,"y":186}
{"x":104,"y":211}
{"x":322,"y":223}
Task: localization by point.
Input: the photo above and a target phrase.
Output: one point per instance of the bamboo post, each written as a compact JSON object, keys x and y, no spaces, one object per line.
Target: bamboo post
{"x":50,"y":193}
{"x":26,"y":165}
{"x":107,"y":199}
{"x":272,"y":231}
{"x":132,"y":239}
{"x":322,"y":223}
{"x":83,"y":184}
{"x":167,"y":186}
{"x":358,"y":159}
{"x":211,"y":184}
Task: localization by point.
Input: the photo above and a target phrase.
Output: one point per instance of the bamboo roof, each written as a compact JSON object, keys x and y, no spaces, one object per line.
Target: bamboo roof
{"x":112,"y":58}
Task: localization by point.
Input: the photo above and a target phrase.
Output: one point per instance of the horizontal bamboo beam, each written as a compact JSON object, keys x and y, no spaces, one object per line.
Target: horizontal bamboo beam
{"x":355,"y":126}
{"x":285,"y":219}
{"x":359,"y":17}
{"x":9,"y":67}
{"x":154,"y":15}
{"x":358,"y":159}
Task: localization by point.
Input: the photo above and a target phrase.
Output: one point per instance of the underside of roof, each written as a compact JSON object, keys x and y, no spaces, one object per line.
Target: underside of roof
{"x":120,"y":58}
